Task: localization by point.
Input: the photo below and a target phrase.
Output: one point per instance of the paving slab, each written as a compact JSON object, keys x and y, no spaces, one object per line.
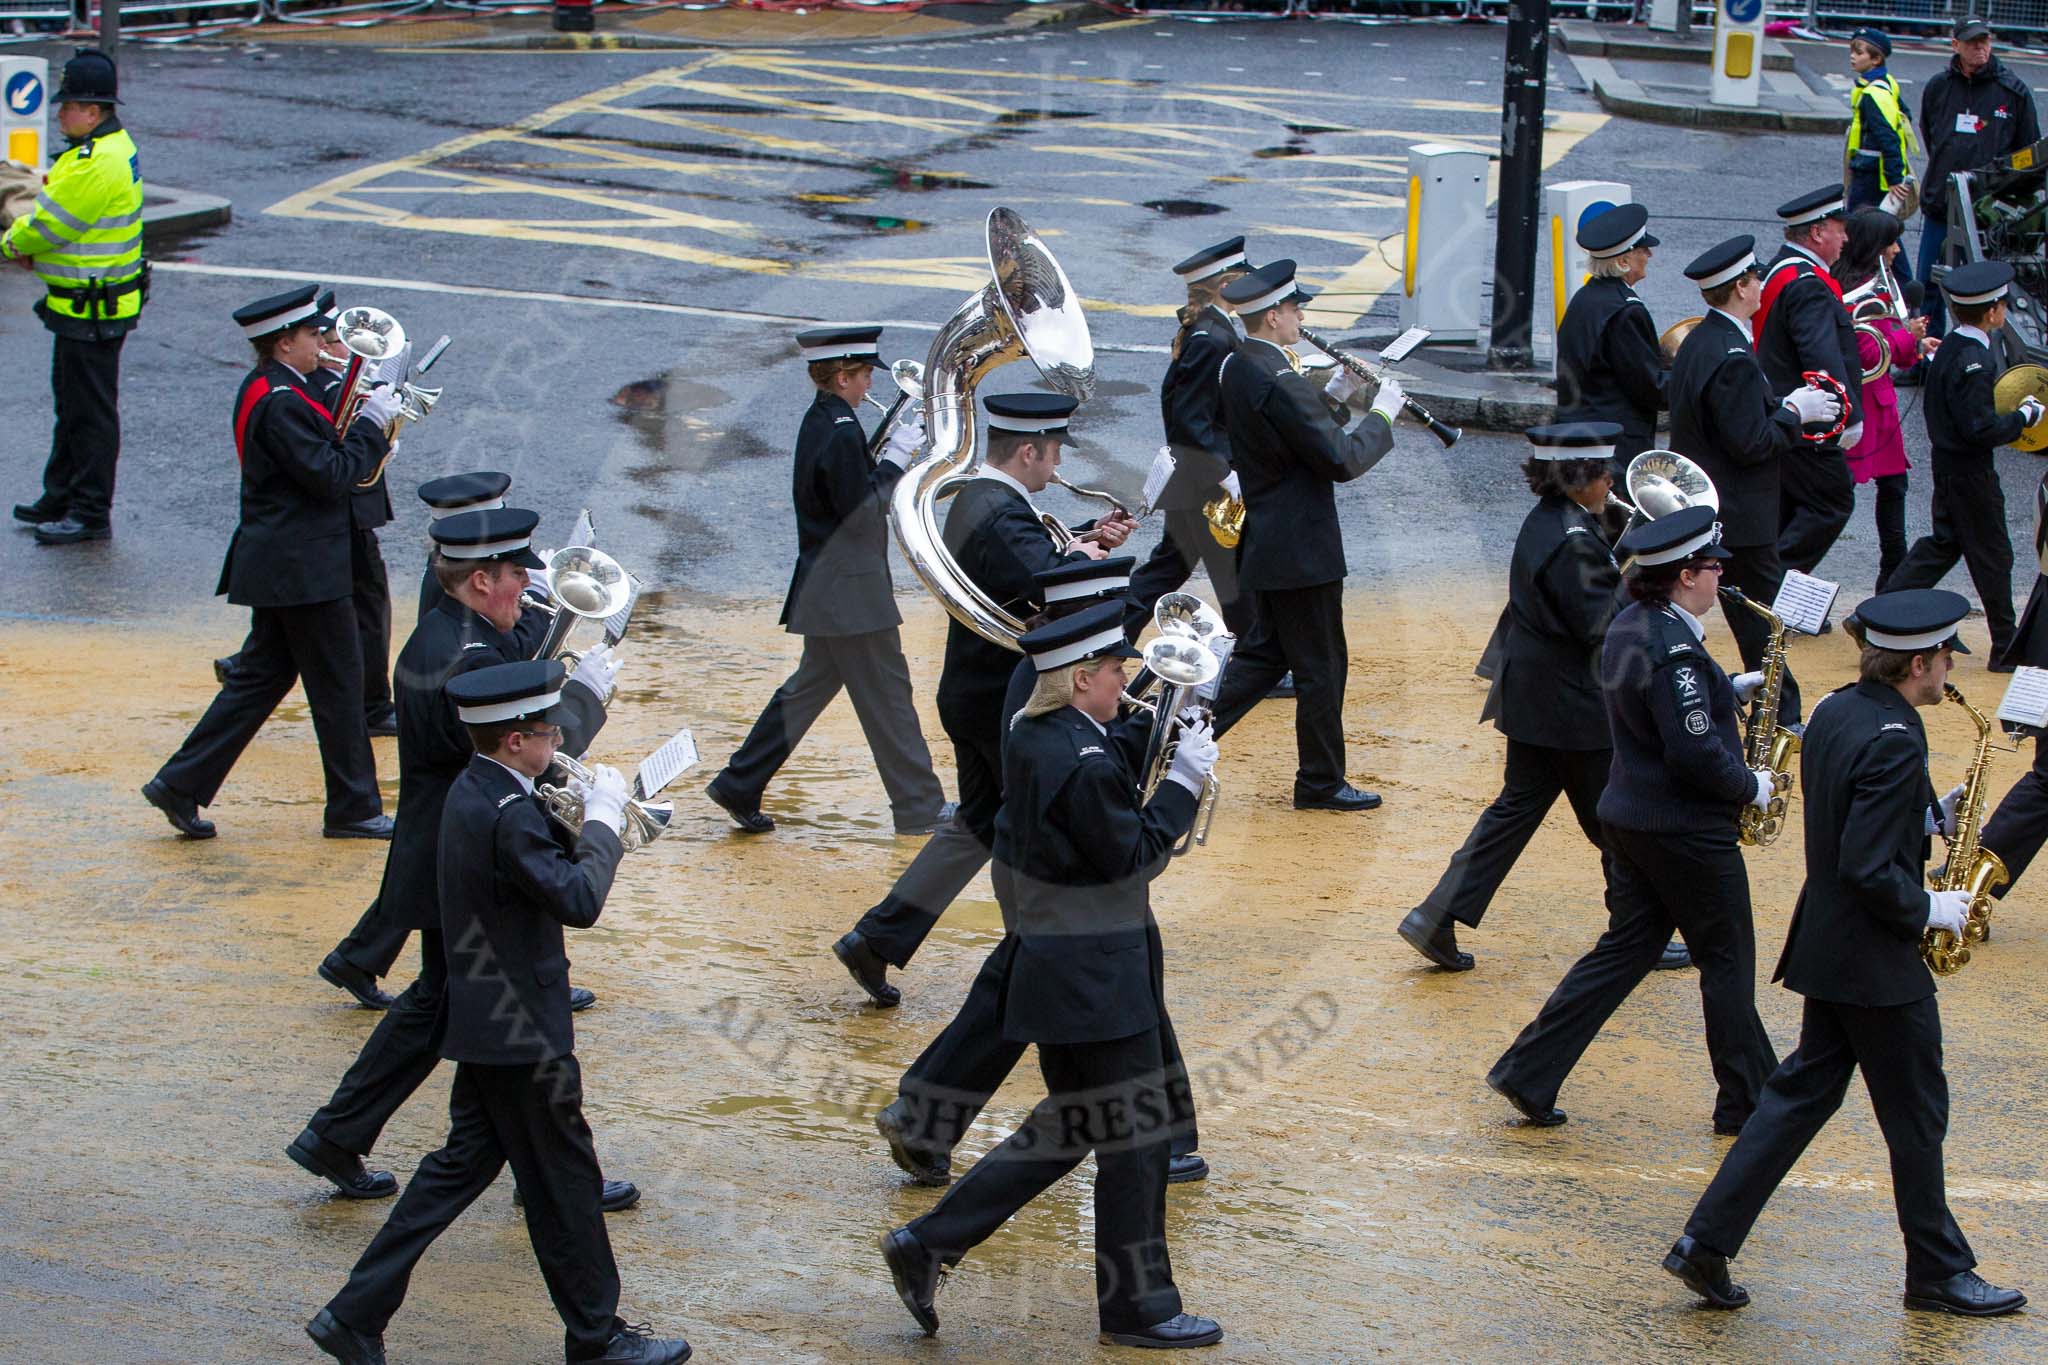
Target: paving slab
{"x":1615,"y":41}
{"x":1675,"y":93}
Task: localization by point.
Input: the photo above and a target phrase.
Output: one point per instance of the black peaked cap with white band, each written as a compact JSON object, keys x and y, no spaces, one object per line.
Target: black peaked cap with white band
{"x":279,"y":311}
{"x":478,"y":492}
{"x":1620,"y":229}
{"x":1979,"y":282}
{"x":840,"y":343}
{"x":1914,"y":619}
{"x":1213,"y":260}
{"x":1723,"y":262}
{"x":1825,"y":202}
{"x":1688,"y":533}
{"x":326,"y":310}
{"x":1096,"y":633}
{"x":497,"y":533}
{"x":523,"y":690}
{"x":1258,"y":290}
{"x":1084,"y":579}
{"x":1574,"y":440}
{"x":1030,"y":414}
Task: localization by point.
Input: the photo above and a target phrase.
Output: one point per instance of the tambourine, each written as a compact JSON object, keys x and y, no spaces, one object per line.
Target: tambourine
{"x":1821,"y":379}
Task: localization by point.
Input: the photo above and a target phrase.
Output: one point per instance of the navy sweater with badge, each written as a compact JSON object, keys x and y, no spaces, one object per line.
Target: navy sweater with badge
{"x":1677,"y":749}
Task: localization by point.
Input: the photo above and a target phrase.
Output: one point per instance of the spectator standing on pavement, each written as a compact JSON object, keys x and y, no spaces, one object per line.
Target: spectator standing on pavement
{"x":1879,"y":154}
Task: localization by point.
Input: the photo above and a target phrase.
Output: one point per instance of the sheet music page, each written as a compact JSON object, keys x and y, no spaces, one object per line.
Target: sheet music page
{"x":1163,"y":465}
{"x":584,"y":532}
{"x":2026,"y":699}
{"x":1401,"y":345}
{"x":615,"y":624}
{"x":1804,"y":602}
{"x":665,"y":765}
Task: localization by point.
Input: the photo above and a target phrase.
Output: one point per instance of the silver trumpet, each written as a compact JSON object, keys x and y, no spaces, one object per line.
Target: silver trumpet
{"x":644,"y":822}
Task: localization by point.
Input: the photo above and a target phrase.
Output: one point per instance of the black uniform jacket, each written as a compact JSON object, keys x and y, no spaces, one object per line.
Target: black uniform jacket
{"x":1855,"y":936}
{"x":1289,"y":453}
{"x":1808,"y":329}
{"x":1081,"y":853}
{"x":292,"y":546}
{"x":434,"y":748}
{"x":2030,"y":637}
{"x":2003,"y":106}
{"x":1678,"y":762}
{"x":1962,"y":425}
{"x":368,"y":508}
{"x":841,"y":585}
{"x":510,"y":879}
{"x":1189,"y":402}
{"x":1546,"y":684}
{"x":999,"y":543}
{"x":1608,"y":366}
{"x":1725,"y":418}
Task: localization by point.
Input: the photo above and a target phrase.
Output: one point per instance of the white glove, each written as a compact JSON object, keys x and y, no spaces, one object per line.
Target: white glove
{"x":1231,"y":485}
{"x":380,"y":406}
{"x":2032,"y":411}
{"x":901,"y":447}
{"x":1946,"y":826}
{"x":537,"y":584}
{"x":1746,"y":685}
{"x":1765,"y":787}
{"x":1193,"y":756}
{"x":604,"y":800}
{"x":1813,"y":405}
{"x":1387,"y":403}
{"x":1342,"y":385}
{"x":1948,"y":910}
{"x":597,"y":670}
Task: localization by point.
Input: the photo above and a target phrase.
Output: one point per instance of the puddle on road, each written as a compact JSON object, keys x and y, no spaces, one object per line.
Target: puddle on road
{"x":1287,"y":149}
{"x":1018,"y":117}
{"x":908,"y":178}
{"x":1182,"y":208}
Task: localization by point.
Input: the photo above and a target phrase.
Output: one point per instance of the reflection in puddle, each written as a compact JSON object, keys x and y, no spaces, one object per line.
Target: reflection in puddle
{"x":904,"y":178}
{"x":1289,"y":149}
{"x":872,"y":222}
{"x":1182,"y":208}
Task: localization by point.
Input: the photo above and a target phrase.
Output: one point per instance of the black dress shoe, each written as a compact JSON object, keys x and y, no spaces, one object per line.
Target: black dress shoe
{"x":1676,"y":957}
{"x":337,"y":970}
{"x":383,"y":724}
{"x":1538,"y":1118}
{"x":1968,"y":1294}
{"x":1705,"y":1273}
{"x":182,"y":810}
{"x":917,"y":1274}
{"x":376,"y":827}
{"x":1346,"y":797}
{"x":344,"y":1342}
{"x":70,"y":531}
{"x":1181,"y":1330}
{"x":581,"y":998}
{"x":616,"y":1197}
{"x":866,"y":968}
{"x":1282,"y":690}
{"x":749,"y":819}
{"x":636,"y":1344}
{"x":37,"y":512}
{"x":345,"y":1169}
{"x":1437,"y":941}
{"x":928,"y":1166}
{"x":1186,"y":1168}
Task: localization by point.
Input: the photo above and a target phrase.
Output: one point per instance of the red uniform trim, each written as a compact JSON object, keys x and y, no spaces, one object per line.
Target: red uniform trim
{"x":257,"y":390}
{"x":1781,"y":275}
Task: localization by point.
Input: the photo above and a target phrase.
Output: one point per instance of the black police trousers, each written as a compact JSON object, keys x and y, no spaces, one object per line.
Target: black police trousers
{"x":1816,"y":498}
{"x":1299,"y":630}
{"x":401,"y":1052}
{"x":1969,"y":524}
{"x":85,"y":442}
{"x":1536,"y":775}
{"x":375,"y":942}
{"x":370,"y":591}
{"x":2018,"y":828}
{"x":1185,"y":543}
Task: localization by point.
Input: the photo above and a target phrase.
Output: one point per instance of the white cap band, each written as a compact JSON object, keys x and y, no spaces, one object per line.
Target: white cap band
{"x":1684,"y":549}
{"x":1613,"y":251}
{"x":278,"y":322}
{"x":1927,"y":640}
{"x":1816,"y":213}
{"x":1077,"y":651}
{"x":1085,"y":587}
{"x":832,"y":350}
{"x":1028,"y":425}
{"x":1721,"y":277}
{"x":1203,"y":272}
{"x":507,"y":710}
{"x":489,"y":505}
{"x":1572,"y":452}
{"x":485,"y":550}
{"x":1972,"y":300}
{"x":1265,"y":301}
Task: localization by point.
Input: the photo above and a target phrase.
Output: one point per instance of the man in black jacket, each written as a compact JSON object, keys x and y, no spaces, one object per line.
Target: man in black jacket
{"x":1188,"y":403}
{"x":289,"y":563}
{"x":1854,"y":952}
{"x":2019,"y":827}
{"x":510,"y":879}
{"x":1974,"y":112}
{"x":1289,"y":453}
{"x":1609,"y":368}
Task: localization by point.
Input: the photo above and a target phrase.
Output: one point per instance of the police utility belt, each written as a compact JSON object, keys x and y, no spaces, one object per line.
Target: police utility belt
{"x":99,"y":296}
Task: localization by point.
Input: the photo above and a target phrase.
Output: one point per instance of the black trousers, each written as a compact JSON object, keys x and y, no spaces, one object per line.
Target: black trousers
{"x":401,"y":1052}
{"x":1969,"y":524}
{"x":1756,"y":571}
{"x":2018,"y":828}
{"x":370,"y":590}
{"x":897,"y":926}
{"x":1816,"y":498}
{"x":1535,"y":776}
{"x":85,"y":442}
{"x":1899,"y":1049}
{"x":316,"y":644}
{"x":1107,"y":1098}
{"x":1696,"y":882}
{"x":374,"y":944}
{"x":1891,"y":525}
{"x":871,"y":670}
{"x":1186,"y":543}
{"x":532,"y":1117}
{"x":1302,"y":630}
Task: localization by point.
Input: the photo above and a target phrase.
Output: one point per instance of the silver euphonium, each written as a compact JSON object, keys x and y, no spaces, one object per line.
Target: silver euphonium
{"x":584,"y":584}
{"x":379,"y":353}
{"x":1183,"y":665}
{"x":908,"y":377}
{"x":644,"y":820}
{"x":1877,"y":297}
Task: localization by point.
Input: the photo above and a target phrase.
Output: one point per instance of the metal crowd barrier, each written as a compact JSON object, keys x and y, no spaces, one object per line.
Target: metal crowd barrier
{"x":326,"y":11}
{"x":36,"y":20}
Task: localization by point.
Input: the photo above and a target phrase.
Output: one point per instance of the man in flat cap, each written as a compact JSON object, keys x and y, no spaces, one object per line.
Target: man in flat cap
{"x":1609,"y":368}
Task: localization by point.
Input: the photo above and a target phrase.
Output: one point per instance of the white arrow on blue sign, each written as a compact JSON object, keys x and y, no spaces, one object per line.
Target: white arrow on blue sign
{"x":24,"y":94}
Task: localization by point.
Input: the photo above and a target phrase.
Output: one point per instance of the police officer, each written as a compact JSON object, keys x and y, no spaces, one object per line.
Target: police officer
{"x":83,"y":240}
{"x":1188,"y":403}
{"x":1725,"y":417}
{"x":510,"y":879}
{"x":1854,"y":952}
{"x":1668,"y":817}
{"x":1609,"y":368}
{"x":1288,"y":452}
{"x":485,"y":556}
{"x":289,"y":563}
{"x":1801,"y":325}
{"x":1546,"y":686}
{"x":1084,"y":987}
{"x":840,"y":598}
{"x":994,"y":534}
{"x":1964,"y":429}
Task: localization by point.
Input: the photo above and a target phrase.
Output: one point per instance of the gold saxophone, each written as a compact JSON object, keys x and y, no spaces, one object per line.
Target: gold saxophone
{"x":1971,"y":867}
{"x":1765,"y":743}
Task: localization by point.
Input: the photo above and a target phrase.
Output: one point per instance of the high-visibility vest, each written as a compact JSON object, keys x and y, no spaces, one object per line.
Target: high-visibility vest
{"x":1890,"y":107}
{"x":84,"y":236}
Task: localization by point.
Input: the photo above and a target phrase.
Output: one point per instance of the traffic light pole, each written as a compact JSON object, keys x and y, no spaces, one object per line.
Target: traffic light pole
{"x":110,"y":26}
{"x":1525,"y":73}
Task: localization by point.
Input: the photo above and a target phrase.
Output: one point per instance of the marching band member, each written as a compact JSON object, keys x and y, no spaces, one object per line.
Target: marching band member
{"x":994,"y":534}
{"x":1188,"y":401}
{"x":2018,"y":828}
{"x":1854,"y":952}
{"x":1288,"y":452}
{"x":1085,"y":988}
{"x":1546,"y":686}
{"x":840,"y":599}
{"x":510,"y":879}
{"x":1669,"y":816}
{"x":482,"y":491}
{"x":289,"y":563}
{"x":483,"y":561}
{"x":1963,"y":428}
{"x":1609,"y":368}
{"x":368,"y":509}
{"x":1801,"y":325}
{"x":1725,"y":419}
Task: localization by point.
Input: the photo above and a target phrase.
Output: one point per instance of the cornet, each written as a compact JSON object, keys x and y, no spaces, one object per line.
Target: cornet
{"x":908,"y":376}
{"x":584,"y":584}
{"x":644,"y":820}
{"x":379,"y":353}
